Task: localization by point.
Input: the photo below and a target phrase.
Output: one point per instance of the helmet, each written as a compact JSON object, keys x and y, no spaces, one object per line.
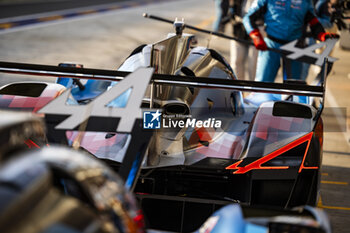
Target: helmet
{"x":56,"y":189}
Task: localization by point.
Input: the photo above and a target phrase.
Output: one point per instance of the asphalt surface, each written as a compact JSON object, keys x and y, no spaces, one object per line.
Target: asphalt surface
{"x":103,"y":41}
{"x":29,"y":7}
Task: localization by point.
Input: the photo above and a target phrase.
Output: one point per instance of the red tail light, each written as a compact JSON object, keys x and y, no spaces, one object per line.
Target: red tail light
{"x":139,"y":219}
{"x":31,"y":144}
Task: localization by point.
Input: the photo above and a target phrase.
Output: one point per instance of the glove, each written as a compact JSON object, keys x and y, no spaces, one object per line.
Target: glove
{"x":322,"y":36}
{"x":258,"y":40}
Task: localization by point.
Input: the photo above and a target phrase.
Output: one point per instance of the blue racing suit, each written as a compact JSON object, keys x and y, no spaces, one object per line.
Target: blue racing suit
{"x":221,"y":8}
{"x":323,"y":14}
{"x":285,"y":21}
{"x":324,"y":17}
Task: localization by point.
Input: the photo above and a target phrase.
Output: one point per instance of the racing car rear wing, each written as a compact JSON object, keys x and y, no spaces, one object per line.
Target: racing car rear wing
{"x":57,"y":113}
{"x":200,"y":82}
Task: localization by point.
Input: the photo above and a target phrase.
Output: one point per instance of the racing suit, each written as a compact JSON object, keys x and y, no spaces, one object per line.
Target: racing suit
{"x":324,"y":17}
{"x":323,"y":13}
{"x":284,"y":21}
{"x":221,"y":8}
{"x":242,"y":53}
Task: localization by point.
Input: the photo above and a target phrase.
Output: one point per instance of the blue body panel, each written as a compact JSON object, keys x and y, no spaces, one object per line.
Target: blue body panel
{"x":229,"y":219}
{"x":92,"y":89}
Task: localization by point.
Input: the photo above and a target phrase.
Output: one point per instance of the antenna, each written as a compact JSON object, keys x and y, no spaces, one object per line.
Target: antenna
{"x":179,"y":26}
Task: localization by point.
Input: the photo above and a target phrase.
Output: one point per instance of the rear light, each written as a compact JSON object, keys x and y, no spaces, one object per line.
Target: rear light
{"x":31,"y":144}
{"x":139,"y":220}
{"x":319,"y":131}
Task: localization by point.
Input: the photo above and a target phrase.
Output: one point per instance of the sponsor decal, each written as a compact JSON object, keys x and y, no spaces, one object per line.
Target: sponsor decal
{"x":78,"y":114}
{"x":309,"y":52}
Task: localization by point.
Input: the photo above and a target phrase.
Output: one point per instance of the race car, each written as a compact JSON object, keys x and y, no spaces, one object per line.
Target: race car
{"x":56,"y":189}
{"x":200,"y":146}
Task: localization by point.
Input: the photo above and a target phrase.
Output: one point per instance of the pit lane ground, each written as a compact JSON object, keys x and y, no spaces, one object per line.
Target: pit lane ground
{"x":103,"y":40}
